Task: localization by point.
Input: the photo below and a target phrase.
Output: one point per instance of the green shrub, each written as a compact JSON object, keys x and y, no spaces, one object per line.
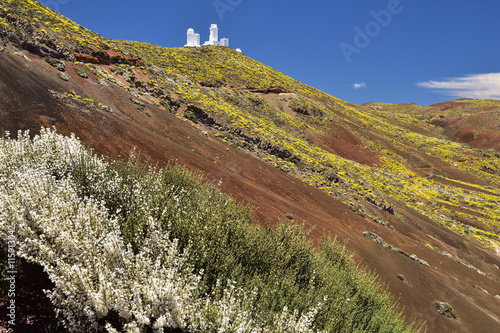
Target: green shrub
{"x":62,"y":76}
{"x":56,"y":63}
{"x":81,"y":72}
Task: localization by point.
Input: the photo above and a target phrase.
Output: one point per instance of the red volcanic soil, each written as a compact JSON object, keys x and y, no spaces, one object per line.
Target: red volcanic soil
{"x":342,"y":143}
{"x":479,"y":127}
{"x":458,"y":130}
{"x":163,"y":138}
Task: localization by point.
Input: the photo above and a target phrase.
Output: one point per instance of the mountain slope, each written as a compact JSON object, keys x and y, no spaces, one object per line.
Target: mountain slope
{"x":475,"y":122}
{"x":287,"y":127}
{"x":279,"y":145}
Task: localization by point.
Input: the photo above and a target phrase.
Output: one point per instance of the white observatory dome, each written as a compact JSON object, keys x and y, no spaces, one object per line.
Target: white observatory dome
{"x":190,"y":31}
{"x":238,"y":50}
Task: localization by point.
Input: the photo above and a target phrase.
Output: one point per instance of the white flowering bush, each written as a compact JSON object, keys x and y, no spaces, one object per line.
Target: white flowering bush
{"x":80,"y":245}
{"x":233,"y":313}
{"x":130,"y":248}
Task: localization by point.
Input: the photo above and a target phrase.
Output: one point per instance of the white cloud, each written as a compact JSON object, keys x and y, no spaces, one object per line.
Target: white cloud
{"x":359,"y":85}
{"x":482,"y":86}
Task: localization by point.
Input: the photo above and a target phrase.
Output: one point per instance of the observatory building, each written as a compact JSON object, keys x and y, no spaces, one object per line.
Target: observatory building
{"x":193,"y":39}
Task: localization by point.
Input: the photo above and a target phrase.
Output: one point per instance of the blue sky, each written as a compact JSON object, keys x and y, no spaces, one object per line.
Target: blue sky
{"x":394,"y":51}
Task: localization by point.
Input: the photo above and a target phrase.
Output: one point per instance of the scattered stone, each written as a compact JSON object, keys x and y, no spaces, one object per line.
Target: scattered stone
{"x":135,"y":93}
{"x":389,"y":209}
{"x":401,"y":277}
{"x":107,"y":76}
{"x":105,"y":108}
{"x":358,"y":209}
{"x":102,"y":82}
{"x":417,"y":259}
{"x":22,"y":55}
{"x":140,"y":105}
{"x":129,"y":76}
{"x":204,"y":133}
{"x":135,"y":101}
{"x":289,"y":216}
{"x":446,"y":310}
{"x":82,"y":72}
{"x":63,"y":76}
{"x":382,"y":222}
{"x":140,"y":84}
{"x":377,"y":239}
{"x":481,"y":289}
{"x":56,"y":63}
{"x":449,"y":256}
{"x":385,"y":207}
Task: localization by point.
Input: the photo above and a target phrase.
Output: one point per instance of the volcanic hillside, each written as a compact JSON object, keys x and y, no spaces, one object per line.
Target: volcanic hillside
{"x":471,"y":121}
{"x":414,"y":190}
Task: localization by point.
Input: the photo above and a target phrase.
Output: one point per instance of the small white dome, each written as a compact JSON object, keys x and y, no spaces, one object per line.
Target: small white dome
{"x":238,"y":50}
{"x":190,"y":31}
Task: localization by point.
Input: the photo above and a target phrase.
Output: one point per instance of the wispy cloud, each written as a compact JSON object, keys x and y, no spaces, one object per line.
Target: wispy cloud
{"x":359,"y":85}
{"x":483,"y":86}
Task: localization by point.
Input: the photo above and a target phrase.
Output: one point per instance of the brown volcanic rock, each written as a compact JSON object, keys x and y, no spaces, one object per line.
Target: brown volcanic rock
{"x":163,"y":138}
{"x":107,"y":57}
{"x":92,"y":59}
